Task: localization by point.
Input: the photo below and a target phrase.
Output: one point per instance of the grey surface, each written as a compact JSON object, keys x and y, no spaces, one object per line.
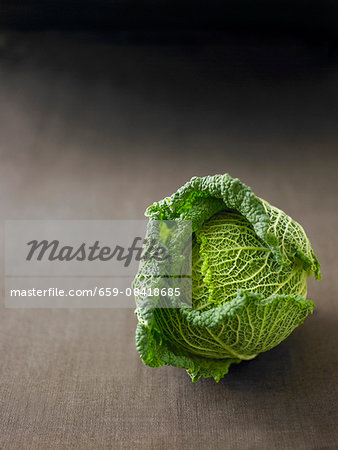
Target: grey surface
{"x":94,"y":131}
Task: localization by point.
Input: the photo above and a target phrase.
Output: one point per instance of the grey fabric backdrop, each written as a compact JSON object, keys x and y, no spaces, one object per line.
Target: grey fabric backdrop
{"x":95,"y":131}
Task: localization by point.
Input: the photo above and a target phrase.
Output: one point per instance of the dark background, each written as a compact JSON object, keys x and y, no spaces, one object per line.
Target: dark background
{"x":314,"y":19}
{"x":106,"y":107}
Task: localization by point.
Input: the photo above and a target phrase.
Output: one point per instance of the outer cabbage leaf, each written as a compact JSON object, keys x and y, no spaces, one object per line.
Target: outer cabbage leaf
{"x":238,"y":330}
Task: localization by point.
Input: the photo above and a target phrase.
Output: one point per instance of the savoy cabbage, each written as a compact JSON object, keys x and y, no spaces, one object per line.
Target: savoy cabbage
{"x":250,"y":264}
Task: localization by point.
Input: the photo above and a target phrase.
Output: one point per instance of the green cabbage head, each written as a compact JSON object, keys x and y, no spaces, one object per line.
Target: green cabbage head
{"x":250,"y":265}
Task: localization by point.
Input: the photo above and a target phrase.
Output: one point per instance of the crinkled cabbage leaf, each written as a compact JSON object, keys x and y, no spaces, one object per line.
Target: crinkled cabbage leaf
{"x":250,"y":264}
